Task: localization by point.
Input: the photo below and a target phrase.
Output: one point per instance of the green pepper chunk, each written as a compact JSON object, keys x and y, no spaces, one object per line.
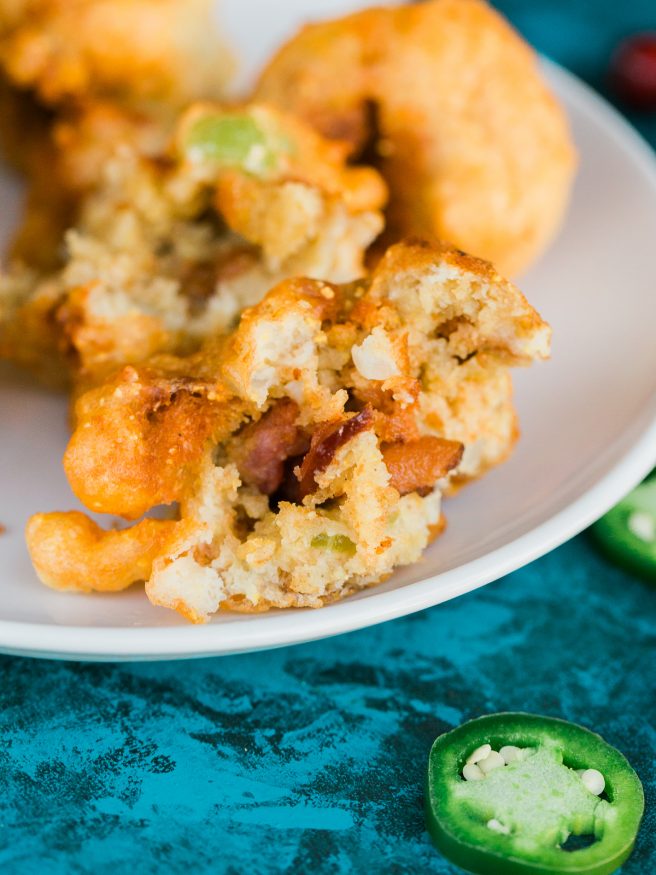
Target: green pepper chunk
{"x":236,"y":141}
{"x":534,"y":814}
{"x":338,"y":543}
{"x":627,"y":533}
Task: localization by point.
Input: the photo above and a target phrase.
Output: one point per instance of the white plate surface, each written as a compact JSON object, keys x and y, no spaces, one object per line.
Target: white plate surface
{"x":588,"y":421}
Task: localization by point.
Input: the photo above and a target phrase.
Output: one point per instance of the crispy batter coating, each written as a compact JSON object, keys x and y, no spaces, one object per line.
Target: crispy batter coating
{"x":306,"y":452}
{"x":448,"y":102}
{"x":131,"y":51}
{"x":172,"y":245}
{"x":149,"y":429}
{"x":75,"y":551}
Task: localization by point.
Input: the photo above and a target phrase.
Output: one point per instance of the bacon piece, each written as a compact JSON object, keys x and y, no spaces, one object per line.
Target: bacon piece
{"x":393,"y":421}
{"x":418,"y":465}
{"x":262,"y":448}
{"x":399,"y":424}
{"x":326,"y":440}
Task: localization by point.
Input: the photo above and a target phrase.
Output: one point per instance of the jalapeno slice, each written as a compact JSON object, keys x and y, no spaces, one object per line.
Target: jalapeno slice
{"x":541,"y":810}
{"x":627,"y":533}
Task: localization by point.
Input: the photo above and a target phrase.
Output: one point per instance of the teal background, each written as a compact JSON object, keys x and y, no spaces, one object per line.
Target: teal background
{"x":311,"y":758}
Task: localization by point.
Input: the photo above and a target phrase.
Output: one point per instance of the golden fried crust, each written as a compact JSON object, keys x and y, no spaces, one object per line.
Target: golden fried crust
{"x":140,"y":438}
{"x":130,"y":50}
{"x":451,"y":104}
{"x":71,"y":552}
{"x":26,"y":142}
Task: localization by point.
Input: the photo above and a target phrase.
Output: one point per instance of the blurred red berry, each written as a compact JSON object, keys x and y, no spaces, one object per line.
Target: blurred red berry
{"x":633,"y":71}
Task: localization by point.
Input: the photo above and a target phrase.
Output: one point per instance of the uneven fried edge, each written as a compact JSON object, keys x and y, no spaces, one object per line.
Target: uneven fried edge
{"x":140,"y":438}
{"x":533,"y":340}
{"x":71,"y":552}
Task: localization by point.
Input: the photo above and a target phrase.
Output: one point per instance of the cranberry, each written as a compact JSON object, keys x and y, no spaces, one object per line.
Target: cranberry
{"x":633,"y":71}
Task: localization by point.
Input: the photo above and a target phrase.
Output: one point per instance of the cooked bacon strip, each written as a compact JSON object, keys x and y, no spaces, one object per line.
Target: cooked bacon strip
{"x":418,"y":465}
{"x":326,"y":440}
{"x":393,"y":421}
{"x":399,"y":424}
{"x":262,"y":448}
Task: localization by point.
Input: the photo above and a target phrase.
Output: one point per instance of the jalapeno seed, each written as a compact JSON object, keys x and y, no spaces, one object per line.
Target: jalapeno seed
{"x":594,"y":781}
{"x":510,"y":753}
{"x":496,"y":826}
{"x":492,"y":761}
{"x":480,"y":753}
{"x":471,"y":772}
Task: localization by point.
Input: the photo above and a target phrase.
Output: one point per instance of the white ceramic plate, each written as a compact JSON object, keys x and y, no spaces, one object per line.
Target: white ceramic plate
{"x":589,"y":435}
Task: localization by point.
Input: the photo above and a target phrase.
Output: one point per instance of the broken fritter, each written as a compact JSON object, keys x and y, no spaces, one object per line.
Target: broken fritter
{"x":171,"y":245}
{"x":304,"y":455}
{"x":449,"y":103}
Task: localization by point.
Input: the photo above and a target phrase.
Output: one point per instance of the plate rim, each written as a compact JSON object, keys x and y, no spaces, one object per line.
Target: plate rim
{"x":122,"y":643}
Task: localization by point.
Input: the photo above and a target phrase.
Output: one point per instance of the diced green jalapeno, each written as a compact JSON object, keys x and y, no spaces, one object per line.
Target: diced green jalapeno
{"x":627,"y":533}
{"x":509,"y":794}
{"x":338,"y":543}
{"x":232,"y":141}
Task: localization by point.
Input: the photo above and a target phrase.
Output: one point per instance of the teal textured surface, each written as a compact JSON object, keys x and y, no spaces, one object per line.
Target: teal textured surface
{"x":312,"y":758}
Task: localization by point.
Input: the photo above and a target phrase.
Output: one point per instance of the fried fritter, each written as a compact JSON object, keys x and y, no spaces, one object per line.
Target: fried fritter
{"x":449,"y":103}
{"x":306,"y":452}
{"x":135,"y":52}
{"x":170,"y":247}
